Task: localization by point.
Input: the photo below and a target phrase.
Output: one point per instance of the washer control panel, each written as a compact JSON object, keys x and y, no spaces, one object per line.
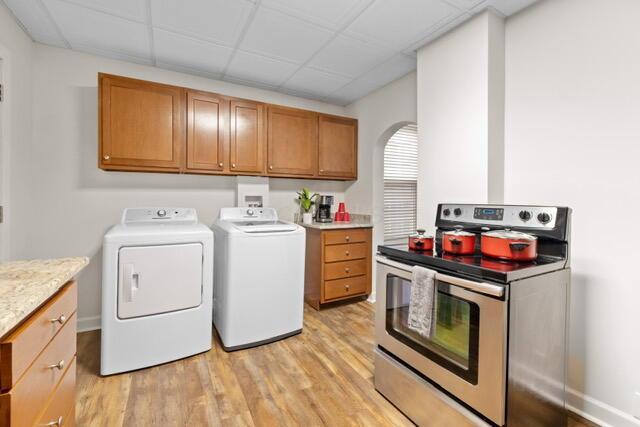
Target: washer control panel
{"x":137,"y":215}
{"x":539,"y":217}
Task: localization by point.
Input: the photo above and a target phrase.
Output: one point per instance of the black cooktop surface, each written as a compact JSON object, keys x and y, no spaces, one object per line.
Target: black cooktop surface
{"x":476,"y":265}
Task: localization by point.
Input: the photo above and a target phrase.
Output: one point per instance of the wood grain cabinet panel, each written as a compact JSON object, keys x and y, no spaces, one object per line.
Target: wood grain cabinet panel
{"x":248,"y":137}
{"x":335,"y":270}
{"x":292,"y":142}
{"x":20,"y":348}
{"x":141,"y":125}
{"x":337,"y":147}
{"x":37,"y":362}
{"x":207,"y":132}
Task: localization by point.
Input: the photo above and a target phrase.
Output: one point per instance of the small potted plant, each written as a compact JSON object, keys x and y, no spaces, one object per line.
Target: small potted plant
{"x":305,"y":198}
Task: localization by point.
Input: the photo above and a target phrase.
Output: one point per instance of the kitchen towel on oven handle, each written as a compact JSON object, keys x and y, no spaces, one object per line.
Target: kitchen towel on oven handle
{"x":423,"y":301}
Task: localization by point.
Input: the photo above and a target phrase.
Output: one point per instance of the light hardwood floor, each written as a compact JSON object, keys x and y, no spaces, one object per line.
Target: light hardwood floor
{"x":324,"y":376}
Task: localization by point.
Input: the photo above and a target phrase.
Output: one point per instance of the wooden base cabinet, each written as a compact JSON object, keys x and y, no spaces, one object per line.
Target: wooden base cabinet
{"x":38,"y":365}
{"x":337,"y":265}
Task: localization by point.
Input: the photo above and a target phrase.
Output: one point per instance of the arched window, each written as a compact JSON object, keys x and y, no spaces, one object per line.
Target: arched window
{"x":400,"y":183}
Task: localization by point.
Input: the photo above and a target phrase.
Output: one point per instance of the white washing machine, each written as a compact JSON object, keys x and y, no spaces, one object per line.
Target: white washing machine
{"x":157,"y":287}
{"x":258,"y":277}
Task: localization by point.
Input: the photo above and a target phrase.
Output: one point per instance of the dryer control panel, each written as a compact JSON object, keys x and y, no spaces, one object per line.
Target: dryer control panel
{"x":138,"y":215}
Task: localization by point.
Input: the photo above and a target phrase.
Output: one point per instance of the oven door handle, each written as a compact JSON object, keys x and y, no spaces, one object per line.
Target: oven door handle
{"x":481,"y":287}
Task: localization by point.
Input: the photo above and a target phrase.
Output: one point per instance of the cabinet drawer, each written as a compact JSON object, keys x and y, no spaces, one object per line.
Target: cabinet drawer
{"x":345,"y":287}
{"x":338,"y":270}
{"x":353,"y":235}
{"x":27,"y":399}
{"x":345,"y":252}
{"x":19,"y":349}
{"x":61,"y":405}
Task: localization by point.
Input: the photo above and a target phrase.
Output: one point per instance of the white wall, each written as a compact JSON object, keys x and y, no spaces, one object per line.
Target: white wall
{"x":460,"y":121}
{"x":74,"y":202}
{"x":380,"y":114}
{"x":16,"y":51}
{"x":573,"y":138}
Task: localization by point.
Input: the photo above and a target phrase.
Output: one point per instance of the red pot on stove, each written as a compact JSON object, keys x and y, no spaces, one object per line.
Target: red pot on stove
{"x":458,"y":241}
{"x":509,"y":245}
{"x":420,"y":241}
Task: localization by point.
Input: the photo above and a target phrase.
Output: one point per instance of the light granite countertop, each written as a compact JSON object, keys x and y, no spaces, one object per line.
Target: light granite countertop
{"x":25,"y":285}
{"x":357,"y":221}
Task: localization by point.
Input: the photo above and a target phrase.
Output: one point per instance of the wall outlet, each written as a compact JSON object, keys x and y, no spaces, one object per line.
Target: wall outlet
{"x":636,"y":404}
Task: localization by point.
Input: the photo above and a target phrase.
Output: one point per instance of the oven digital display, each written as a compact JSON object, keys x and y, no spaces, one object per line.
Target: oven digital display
{"x":490,"y":214}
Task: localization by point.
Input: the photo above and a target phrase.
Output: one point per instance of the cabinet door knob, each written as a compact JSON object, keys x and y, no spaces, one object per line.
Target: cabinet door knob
{"x":346,"y":270}
{"x":347,"y":238}
{"x":321,"y":170}
{"x":57,"y":423}
{"x":106,"y":157}
{"x":61,"y":319}
{"x":346,"y":287}
{"x":233,"y":165}
{"x":59,"y":365}
{"x":270,"y":166}
{"x":221,"y":164}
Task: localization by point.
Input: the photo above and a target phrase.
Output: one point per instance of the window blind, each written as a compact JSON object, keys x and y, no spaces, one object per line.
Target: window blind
{"x":400,"y":183}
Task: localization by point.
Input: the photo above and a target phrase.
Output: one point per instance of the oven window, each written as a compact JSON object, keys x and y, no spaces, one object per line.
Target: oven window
{"x":453,"y":342}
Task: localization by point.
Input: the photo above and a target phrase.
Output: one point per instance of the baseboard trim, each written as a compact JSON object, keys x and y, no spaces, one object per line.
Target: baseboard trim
{"x":598,"y":412}
{"x":89,"y":323}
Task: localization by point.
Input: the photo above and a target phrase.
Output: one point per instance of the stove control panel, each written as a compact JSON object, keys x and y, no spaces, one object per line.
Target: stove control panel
{"x":537,"y":217}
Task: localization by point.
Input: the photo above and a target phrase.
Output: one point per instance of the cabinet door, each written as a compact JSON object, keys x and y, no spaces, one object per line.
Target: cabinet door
{"x":292,"y":142}
{"x":207,"y":131}
{"x":247,"y":141}
{"x":141,"y":125}
{"x":337,"y":147}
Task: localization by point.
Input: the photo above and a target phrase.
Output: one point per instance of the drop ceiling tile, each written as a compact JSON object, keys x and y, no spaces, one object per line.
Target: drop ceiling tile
{"x":220,"y":21}
{"x":36,"y":21}
{"x":385,"y":73}
{"x":278,"y":35}
{"x":260,"y":69}
{"x":130,"y":9}
{"x":509,"y":7}
{"x":314,"y":82}
{"x":466,"y":4}
{"x":349,"y":57}
{"x":83,"y":27}
{"x":400,"y":22}
{"x":438,"y":31}
{"x":184,"y":51}
{"x":328,"y":13}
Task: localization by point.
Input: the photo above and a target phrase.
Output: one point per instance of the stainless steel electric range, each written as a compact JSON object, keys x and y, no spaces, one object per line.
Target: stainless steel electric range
{"x":496,"y":355}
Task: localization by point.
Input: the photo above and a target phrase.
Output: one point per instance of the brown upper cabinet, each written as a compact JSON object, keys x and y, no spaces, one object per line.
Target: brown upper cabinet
{"x":247,"y":145}
{"x":207,"y":132}
{"x":141,"y":125}
{"x":292,"y":142}
{"x":145,"y":126}
{"x":337,"y":147}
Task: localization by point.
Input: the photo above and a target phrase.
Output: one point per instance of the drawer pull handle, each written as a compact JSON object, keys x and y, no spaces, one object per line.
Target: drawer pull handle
{"x":346,"y":287}
{"x":60,"y":319}
{"x":347,"y":253}
{"x":57,"y":423}
{"x":59,"y":365}
{"x":346,"y":270}
{"x":347,"y":238}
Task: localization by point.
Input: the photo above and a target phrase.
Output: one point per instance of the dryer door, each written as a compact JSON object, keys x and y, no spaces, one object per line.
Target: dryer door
{"x":159,"y":279}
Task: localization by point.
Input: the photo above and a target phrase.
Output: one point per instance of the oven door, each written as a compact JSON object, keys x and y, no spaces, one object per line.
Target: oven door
{"x":466,"y":352}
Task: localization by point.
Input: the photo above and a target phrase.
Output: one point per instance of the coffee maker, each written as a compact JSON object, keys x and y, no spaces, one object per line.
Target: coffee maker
{"x":323,"y":208}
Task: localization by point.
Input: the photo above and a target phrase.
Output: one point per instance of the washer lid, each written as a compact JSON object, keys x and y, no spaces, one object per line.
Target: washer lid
{"x":264,"y":226}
